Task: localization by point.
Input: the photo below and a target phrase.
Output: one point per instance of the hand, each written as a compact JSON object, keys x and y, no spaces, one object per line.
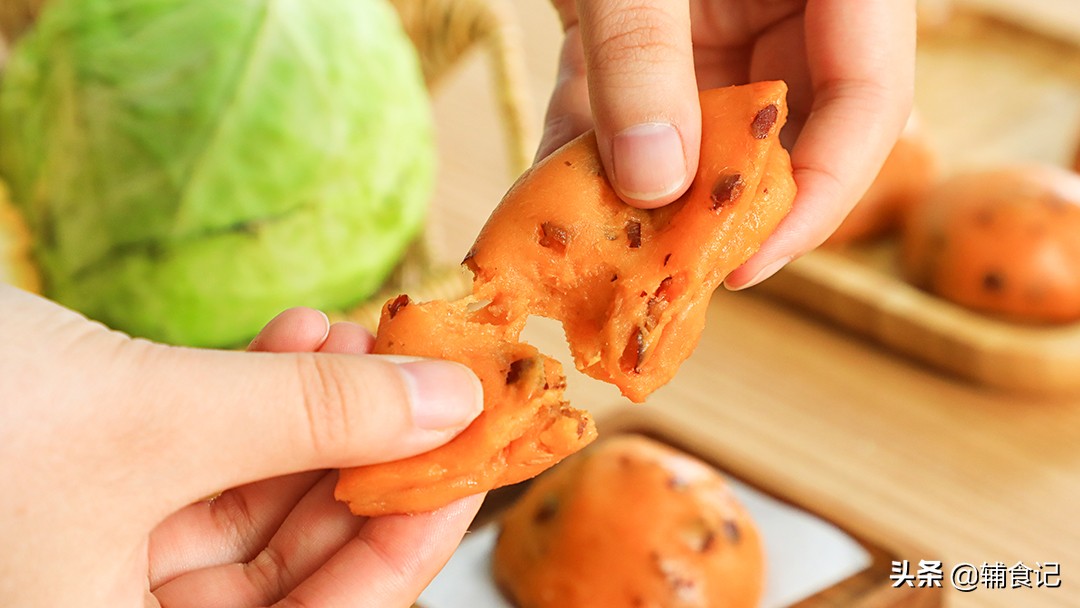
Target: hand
{"x":632,"y":69}
{"x":110,"y":445}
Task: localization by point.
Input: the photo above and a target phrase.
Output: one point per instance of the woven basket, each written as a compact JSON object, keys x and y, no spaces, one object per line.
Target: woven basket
{"x":444,"y":32}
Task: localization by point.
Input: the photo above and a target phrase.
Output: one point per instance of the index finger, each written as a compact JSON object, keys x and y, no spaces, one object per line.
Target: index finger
{"x":862,"y":69}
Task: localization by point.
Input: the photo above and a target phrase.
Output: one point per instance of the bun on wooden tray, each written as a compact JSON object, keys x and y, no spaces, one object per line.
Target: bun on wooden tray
{"x":1004,"y":241}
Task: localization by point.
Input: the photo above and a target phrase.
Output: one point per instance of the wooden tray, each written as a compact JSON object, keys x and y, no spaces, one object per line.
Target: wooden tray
{"x":990,"y":92}
{"x":869,"y":588}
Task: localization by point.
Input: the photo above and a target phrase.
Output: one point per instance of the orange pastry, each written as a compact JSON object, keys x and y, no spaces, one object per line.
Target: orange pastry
{"x":630,"y":522}
{"x":630,"y":287}
{"x":1004,"y":242}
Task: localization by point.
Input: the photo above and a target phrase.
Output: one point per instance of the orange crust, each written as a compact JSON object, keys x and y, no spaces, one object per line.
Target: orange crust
{"x":630,"y":287}
{"x":1003,"y":242}
{"x":630,"y":522}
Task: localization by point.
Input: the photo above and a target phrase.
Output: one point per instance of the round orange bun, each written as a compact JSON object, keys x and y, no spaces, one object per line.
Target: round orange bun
{"x":1004,"y":242}
{"x":630,"y":522}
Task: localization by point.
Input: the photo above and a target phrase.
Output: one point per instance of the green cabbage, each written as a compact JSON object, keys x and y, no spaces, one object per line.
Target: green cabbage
{"x":189,"y":168}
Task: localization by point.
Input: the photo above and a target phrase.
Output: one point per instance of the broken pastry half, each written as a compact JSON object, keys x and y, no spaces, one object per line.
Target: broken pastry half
{"x":630,"y":287}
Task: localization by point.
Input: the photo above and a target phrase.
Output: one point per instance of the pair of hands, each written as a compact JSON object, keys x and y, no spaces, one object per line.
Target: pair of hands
{"x":108,"y":444}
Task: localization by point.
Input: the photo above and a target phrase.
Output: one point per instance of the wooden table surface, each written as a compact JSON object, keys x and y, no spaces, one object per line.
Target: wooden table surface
{"x":896,"y":451}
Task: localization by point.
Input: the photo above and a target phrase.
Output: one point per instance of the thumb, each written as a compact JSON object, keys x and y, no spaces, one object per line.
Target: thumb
{"x":220,"y":419}
{"x":643,"y":92}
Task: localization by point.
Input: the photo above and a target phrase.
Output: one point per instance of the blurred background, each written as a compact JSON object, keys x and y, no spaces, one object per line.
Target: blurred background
{"x":923,"y":427}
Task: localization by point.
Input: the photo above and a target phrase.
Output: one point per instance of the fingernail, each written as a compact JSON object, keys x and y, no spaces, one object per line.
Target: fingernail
{"x":443,"y":395}
{"x":649,"y":161}
{"x":326,"y":318}
{"x":762,"y":274}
